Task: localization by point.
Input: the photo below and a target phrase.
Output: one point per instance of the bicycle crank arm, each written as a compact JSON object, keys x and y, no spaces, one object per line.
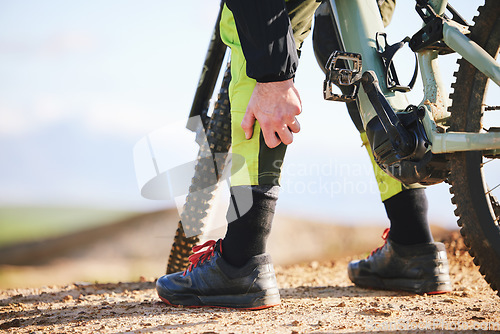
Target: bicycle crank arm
{"x":402,"y":142}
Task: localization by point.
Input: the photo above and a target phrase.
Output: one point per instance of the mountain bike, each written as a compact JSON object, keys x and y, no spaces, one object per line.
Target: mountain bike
{"x":431,"y":142}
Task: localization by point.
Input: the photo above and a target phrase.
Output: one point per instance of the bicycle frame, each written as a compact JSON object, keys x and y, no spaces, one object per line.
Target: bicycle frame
{"x":359,"y":21}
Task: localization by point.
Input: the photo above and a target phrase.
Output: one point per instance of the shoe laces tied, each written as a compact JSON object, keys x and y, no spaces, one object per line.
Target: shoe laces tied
{"x":200,"y":257}
{"x":385,"y":235}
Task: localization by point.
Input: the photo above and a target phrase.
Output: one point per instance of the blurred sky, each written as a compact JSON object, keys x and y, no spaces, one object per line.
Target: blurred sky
{"x":82,"y":81}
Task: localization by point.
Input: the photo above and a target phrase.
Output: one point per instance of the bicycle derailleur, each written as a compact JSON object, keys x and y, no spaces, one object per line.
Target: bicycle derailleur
{"x":398,"y":141}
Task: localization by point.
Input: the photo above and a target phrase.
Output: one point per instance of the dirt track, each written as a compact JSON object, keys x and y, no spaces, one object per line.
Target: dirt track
{"x":317,"y":297}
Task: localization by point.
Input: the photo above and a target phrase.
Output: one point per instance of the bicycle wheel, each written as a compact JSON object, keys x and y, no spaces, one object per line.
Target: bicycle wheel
{"x":202,"y":189}
{"x":476,"y":206}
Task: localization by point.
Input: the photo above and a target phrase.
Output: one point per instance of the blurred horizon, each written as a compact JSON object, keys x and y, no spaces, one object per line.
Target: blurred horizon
{"x":82,"y":82}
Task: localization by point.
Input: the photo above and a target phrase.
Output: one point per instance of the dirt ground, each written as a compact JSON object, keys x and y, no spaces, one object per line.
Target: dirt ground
{"x":317,"y":297}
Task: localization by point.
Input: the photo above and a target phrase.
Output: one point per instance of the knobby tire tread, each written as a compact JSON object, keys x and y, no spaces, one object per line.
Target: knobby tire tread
{"x":202,"y":189}
{"x":478,"y":213}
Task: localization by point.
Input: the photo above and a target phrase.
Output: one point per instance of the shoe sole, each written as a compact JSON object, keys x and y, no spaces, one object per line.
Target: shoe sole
{"x":400,"y":284}
{"x":255,"y":301}
{"x":217,"y":306}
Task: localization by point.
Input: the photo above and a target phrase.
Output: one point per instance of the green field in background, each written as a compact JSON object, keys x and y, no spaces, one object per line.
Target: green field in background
{"x":18,"y":224}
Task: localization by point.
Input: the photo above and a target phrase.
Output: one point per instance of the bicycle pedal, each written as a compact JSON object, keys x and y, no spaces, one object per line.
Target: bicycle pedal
{"x":343,"y":71}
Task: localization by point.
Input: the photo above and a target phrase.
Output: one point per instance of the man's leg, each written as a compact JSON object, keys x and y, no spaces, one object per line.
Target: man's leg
{"x":236,"y":272}
{"x":247,"y":232}
{"x":409,"y":245}
{"x":255,"y":186}
{"x":409,"y":260}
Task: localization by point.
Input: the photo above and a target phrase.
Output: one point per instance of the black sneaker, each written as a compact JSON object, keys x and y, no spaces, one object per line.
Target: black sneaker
{"x":211,"y":281}
{"x":421,"y":268}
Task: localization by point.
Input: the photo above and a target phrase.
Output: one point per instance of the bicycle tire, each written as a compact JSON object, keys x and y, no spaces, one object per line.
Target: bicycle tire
{"x":202,"y":189}
{"x":478,"y":211}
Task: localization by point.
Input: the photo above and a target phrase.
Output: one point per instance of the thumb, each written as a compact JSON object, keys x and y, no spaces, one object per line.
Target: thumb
{"x":247,"y":124}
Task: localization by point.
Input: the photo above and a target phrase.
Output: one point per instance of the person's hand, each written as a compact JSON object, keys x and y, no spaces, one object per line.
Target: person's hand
{"x":274,"y":105}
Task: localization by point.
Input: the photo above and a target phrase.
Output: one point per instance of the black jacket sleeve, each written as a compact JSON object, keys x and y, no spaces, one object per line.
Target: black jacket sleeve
{"x":266,"y":38}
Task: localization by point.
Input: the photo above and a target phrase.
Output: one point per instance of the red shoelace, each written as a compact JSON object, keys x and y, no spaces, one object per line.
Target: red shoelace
{"x":199,"y":258}
{"x":385,"y":235}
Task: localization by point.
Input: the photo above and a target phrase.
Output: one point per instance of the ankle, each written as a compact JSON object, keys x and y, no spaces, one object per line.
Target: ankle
{"x":249,"y":217}
{"x":407,"y":212}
